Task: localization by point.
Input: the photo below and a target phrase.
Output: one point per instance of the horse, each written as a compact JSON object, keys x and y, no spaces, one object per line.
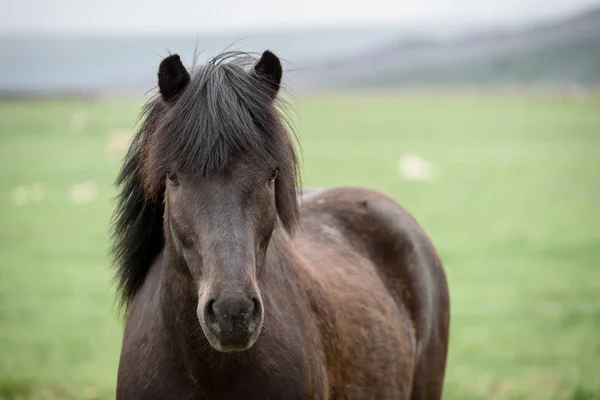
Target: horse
{"x":237,"y":285}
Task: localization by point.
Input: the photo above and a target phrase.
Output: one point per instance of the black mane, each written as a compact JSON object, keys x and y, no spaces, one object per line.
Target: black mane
{"x":226,"y":108}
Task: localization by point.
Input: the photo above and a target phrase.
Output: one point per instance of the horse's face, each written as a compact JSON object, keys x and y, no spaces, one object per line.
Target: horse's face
{"x":220,"y":150}
{"x":220,"y":226}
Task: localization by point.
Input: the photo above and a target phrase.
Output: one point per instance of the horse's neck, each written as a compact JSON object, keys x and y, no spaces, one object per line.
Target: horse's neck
{"x":178,"y":301}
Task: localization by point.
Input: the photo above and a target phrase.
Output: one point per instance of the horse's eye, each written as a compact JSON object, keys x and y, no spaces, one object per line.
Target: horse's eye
{"x":274,"y":175}
{"x":172,"y":177}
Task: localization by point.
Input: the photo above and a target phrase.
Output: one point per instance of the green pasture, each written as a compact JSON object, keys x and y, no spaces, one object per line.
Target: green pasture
{"x":512,"y":202}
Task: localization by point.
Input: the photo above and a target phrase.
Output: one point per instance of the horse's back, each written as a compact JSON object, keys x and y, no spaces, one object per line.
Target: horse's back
{"x":379,"y":237}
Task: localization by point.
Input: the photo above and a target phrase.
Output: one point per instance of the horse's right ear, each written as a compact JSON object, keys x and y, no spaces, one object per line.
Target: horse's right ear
{"x":268,"y":70}
{"x":172,"y":77}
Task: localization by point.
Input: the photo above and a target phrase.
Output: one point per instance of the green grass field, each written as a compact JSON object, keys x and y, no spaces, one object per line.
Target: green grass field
{"x":514,"y":212}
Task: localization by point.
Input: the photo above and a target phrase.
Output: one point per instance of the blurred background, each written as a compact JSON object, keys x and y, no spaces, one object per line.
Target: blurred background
{"x":481,"y":118}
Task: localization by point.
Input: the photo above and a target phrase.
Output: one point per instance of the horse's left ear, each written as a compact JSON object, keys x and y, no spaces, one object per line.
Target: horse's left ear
{"x":172,"y":77}
{"x":268,"y":69}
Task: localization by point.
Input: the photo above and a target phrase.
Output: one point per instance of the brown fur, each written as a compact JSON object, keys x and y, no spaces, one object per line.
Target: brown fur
{"x":350,"y":296}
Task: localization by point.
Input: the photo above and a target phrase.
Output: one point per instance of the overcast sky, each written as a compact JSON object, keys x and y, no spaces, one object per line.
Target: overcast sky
{"x":228,"y":15}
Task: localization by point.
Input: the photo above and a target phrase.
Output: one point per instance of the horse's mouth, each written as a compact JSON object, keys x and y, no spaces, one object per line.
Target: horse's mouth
{"x":232,"y":339}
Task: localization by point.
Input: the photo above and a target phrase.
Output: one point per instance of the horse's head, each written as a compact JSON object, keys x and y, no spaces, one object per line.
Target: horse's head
{"x":220,"y":155}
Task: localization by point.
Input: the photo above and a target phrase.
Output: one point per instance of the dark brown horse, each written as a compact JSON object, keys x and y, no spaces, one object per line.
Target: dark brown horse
{"x":233,"y":290}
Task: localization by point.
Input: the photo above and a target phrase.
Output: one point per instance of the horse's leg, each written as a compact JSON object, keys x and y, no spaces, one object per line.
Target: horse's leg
{"x":428,"y":381}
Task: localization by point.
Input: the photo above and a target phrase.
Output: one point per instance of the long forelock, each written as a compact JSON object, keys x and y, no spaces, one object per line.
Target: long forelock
{"x":223,"y":112}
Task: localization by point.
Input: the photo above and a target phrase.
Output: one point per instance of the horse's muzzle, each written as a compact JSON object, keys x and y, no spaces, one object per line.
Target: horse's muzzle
{"x":232,"y":323}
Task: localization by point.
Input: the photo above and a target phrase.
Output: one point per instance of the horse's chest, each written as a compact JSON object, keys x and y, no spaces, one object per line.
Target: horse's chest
{"x":289,"y":382}
{"x":275,"y":388}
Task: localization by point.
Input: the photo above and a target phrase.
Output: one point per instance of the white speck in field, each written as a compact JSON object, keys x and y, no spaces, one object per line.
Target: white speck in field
{"x":79,"y":121}
{"x":20,"y":195}
{"x":413,"y":167}
{"x":37,"y":192}
{"x":24,"y":194}
{"x":118,"y":143}
{"x":83,"y":193}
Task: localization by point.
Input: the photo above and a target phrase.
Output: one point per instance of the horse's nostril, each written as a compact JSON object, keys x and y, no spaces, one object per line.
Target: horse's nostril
{"x":251,"y":306}
{"x":255,"y":308}
{"x":210,"y":308}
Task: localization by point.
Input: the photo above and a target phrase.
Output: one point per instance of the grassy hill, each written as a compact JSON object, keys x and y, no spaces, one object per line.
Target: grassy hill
{"x":563,"y":52}
{"x":556,"y":53}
